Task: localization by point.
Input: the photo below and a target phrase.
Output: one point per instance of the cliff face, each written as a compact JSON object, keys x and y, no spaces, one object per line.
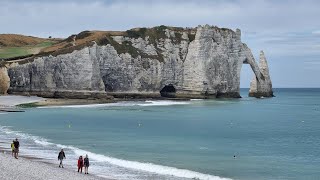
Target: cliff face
{"x":213,"y":63}
{"x":203,"y":62}
{"x":4,"y":80}
{"x":74,"y":75}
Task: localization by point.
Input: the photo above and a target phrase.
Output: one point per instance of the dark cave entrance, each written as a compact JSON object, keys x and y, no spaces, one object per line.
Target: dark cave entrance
{"x":168,"y":91}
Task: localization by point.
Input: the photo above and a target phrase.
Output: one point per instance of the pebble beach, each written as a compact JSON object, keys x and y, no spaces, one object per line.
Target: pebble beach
{"x":28,"y":169}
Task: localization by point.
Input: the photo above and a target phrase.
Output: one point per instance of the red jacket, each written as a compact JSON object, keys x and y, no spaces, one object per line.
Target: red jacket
{"x":80,"y":162}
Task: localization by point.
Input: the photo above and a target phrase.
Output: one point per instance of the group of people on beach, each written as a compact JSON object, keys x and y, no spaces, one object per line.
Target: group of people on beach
{"x":15,"y":148}
{"x":82,"y":162}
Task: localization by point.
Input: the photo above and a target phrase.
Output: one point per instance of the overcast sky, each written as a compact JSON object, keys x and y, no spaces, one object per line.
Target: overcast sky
{"x":287,"y":30}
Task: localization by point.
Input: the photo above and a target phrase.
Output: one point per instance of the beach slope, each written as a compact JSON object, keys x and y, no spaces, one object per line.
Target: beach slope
{"x":26,"y":169}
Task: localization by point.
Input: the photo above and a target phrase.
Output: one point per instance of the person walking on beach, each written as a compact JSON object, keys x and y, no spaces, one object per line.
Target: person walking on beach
{"x":12,"y":148}
{"x":61,"y":156}
{"x":86,"y":164}
{"x":80,"y":164}
{"x":16,"y":145}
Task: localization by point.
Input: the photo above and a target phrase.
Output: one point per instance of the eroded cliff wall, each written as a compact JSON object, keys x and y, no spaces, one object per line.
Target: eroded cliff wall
{"x":4,"y":80}
{"x":213,"y":63}
{"x":74,"y":75}
{"x":202,"y":62}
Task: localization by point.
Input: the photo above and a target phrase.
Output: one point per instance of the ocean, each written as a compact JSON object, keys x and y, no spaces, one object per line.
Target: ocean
{"x":245,"y":139}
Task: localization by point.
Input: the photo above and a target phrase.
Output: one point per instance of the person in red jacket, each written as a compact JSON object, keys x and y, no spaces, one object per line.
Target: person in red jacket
{"x":80,"y":164}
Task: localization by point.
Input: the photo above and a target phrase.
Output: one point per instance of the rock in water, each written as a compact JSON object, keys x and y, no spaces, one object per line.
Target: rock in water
{"x":261,"y":87}
{"x":202,"y":62}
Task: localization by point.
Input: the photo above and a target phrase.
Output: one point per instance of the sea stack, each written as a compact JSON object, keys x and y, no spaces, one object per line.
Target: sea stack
{"x":261,"y":87}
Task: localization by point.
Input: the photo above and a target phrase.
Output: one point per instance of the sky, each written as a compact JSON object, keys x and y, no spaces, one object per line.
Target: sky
{"x":287,"y":30}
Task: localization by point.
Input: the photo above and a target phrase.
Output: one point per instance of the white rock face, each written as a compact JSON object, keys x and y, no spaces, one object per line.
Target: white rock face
{"x":74,"y":74}
{"x":262,"y":87}
{"x":4,"y":80}
{"x":213,"y":63}
{"x":205,"y":64}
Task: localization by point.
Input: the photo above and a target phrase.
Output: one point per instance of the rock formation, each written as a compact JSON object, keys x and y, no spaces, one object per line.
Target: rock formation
{"x":202,"y":62}
{"x":4,"y":80}
{"x":261,"y":87}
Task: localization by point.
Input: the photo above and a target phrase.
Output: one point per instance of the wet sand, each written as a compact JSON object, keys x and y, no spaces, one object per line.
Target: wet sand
{"x":61,"y":102}
{"x":9,"y":102}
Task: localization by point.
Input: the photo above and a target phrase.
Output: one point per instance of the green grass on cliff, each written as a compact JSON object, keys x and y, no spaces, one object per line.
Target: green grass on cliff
{"x":11,"y":52}
{"x":154,"y":34}
{"x":126,"y":47}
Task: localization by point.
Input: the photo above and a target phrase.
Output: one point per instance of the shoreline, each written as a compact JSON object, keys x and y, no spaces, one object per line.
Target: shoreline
{"x":30,"y":168}
{"x":171,"y":169}
{"x":21,"y":101}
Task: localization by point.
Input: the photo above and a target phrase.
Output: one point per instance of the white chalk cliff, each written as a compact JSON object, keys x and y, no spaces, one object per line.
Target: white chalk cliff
{"x":4,"y":80}
{"x":202,"y":62}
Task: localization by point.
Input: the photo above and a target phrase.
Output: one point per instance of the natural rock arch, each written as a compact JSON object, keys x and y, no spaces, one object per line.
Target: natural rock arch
{"x":261,"y":85}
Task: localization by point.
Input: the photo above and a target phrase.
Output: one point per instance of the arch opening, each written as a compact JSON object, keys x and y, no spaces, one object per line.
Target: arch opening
{"x":168,"y":91}
{"x":246,"y":75}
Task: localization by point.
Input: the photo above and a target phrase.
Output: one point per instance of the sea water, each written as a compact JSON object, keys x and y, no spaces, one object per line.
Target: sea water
{"x":247,"y":138}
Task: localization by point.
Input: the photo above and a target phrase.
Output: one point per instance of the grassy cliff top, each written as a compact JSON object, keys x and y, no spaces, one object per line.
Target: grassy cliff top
{"x":26,"y":48}
{"x":86,"y":38}
{"x":16,"y":40}
{"x":14,"y":45}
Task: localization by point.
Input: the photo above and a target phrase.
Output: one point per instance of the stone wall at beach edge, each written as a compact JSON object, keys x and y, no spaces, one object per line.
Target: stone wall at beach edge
{"x":204,"y":62}
{"x":4,"y":80}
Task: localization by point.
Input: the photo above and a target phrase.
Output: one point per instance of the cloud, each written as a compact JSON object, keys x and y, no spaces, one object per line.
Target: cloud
{"x":47,"y":17}
{"x":316,"y":32}
{"x":313,"y":62}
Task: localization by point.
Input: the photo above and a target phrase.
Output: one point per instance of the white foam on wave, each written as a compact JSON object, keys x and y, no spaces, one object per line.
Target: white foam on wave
{"x":118,"y":104}
{"x":203,"y":148}
{"x":18,"y":134}
{"x":133,"y":165}
{"x":43,"y":142}
{"x":124,"y":104}
{"x":148,"y":167}
{"x":163,"y":103}
{"x":196,"y":99}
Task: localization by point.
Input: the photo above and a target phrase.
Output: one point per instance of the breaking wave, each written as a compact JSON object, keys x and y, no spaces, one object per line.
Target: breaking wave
{"x":42,"y":148}
{"x":125,"y":104}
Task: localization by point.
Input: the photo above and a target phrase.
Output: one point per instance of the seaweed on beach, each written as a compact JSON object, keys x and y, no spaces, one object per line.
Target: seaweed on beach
{"x":28,"y":105}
